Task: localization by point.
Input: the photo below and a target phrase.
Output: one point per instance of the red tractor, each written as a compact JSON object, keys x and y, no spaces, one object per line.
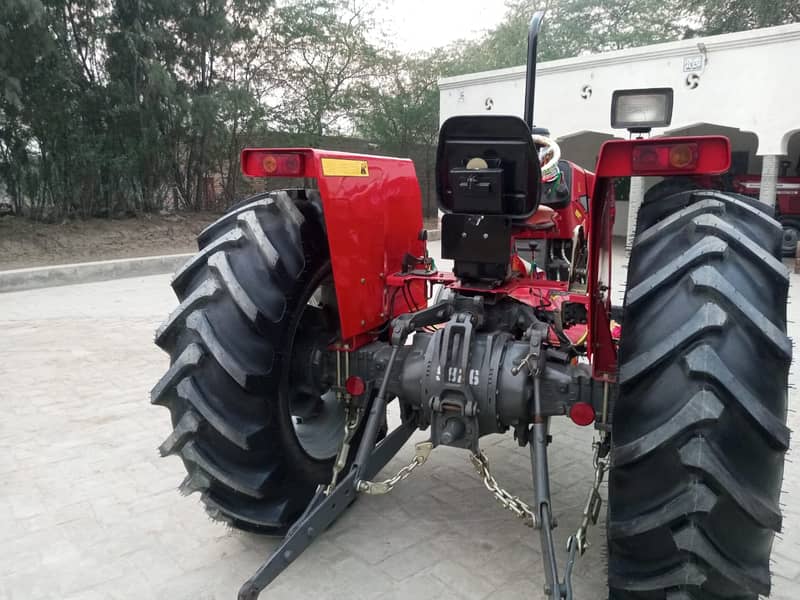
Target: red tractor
{"x":306,"y":311}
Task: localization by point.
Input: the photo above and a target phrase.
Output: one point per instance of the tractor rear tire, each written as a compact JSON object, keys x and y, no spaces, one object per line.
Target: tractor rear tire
{"x":242,"y":298}
{"x":699,"y":427}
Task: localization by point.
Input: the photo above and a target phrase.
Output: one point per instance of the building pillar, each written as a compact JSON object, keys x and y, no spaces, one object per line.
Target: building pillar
{"x":635,"y":197}
{"x":769,"y":178}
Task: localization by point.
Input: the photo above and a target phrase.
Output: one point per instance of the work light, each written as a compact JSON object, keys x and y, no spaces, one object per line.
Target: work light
{"x":639,"y":111}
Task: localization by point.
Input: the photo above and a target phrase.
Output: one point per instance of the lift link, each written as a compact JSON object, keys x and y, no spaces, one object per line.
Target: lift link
{"x":375,"y":488}
{"x":508,"y":501}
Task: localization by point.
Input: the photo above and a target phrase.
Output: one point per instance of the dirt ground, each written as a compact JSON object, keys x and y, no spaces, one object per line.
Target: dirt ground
{"x":25,"y":243}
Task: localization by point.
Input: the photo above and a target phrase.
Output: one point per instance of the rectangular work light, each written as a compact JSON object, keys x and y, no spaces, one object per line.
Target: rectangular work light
{"x":640,"y":110}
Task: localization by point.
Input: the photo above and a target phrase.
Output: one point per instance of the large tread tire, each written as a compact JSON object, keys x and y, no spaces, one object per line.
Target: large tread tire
{"x":699,"y":427}
{"x":227,"y":341}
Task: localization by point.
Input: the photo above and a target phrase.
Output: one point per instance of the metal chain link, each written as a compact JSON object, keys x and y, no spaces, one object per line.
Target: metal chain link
{"x":422,"y":451}
{"x":591,"y":511}
{"x":352,"y":418}
{"x":513,"y":503}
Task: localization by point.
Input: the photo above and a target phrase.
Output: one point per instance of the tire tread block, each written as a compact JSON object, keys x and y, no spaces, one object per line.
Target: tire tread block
{"x":219,"y":264}
{"x":200,"y":295}
{"x":692,"y":540}
{"x":686,"y":574}
{"x":709,"y":317}
{"x":189,"y":358}
{"x":181,"y":277}
{"x":735,"y":237}
{"x":701,"y":251}
{"x":188,"y":425}
{"x":702,"y":408}
{"x":710,"y":278}
{"x":239,"y":432}
{"x":250,"y":482}
{"x":259,"y":202}
{"x":699,"y":454}
{"x":695,"y":499}
{"x":677,"y":220}
{"x":704,"y":361}
{"x":240,"y":373}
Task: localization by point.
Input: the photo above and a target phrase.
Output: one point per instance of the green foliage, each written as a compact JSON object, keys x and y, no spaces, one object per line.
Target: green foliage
{"x":724,"y":16}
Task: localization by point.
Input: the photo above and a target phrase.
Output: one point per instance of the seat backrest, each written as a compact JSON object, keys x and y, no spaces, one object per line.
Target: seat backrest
{"x":487,"y":164}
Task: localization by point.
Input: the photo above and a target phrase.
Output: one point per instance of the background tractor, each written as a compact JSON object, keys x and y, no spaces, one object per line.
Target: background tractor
{"x":306,"y":311}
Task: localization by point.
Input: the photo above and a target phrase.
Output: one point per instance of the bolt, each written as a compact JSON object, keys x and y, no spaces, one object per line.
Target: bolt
{"x":288,"y":555}
{"x":363,"y":322}
{"x":311,"y":532}
{"x":463,"y":234}
{"x":486,"y":236}
{"x":381,"y":275}
{"x":363,"y":281}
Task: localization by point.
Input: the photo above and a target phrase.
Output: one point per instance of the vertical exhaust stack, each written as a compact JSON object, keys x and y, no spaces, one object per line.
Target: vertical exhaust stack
{"x":530,"y":77}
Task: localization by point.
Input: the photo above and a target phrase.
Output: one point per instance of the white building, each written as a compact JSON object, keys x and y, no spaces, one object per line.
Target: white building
{"x":744,"y":85}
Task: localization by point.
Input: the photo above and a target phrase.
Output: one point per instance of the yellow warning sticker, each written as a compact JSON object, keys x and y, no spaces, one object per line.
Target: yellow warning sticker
{"x":342,"y":167}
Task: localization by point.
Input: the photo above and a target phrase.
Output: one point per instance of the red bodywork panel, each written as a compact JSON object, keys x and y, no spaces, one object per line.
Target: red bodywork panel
{"x":373,"y":217}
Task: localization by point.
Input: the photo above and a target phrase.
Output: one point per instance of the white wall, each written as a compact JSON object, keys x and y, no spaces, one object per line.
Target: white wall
{"x":747,"y":80}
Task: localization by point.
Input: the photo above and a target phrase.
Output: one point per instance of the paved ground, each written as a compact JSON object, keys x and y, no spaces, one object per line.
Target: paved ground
{"x":88,"y":510}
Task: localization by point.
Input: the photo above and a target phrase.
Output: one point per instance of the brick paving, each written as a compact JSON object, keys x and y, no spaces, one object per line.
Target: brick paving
{"x":88,"y":510}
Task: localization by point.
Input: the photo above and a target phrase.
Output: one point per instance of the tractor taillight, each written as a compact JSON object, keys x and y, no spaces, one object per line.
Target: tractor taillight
{"x":666,"y":158}
{"x":354,"y":385}
{"x":261,"y":163}
{"x":582,"y":413}
{"x":695,"y":155}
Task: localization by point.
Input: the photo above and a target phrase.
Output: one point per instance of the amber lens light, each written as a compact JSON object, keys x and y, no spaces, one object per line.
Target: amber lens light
{"x":270,"y":164}
{"x":683,"y":156}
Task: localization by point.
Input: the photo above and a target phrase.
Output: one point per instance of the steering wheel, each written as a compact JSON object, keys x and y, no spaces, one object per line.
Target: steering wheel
{"x":549,"y":155}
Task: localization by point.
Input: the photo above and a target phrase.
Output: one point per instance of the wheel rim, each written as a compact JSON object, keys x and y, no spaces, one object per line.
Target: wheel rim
{"x":316,"y":414}
{"x":791,"y":235}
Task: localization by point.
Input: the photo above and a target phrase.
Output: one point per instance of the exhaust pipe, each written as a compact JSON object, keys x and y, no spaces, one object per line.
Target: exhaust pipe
{"x":530,"y":77}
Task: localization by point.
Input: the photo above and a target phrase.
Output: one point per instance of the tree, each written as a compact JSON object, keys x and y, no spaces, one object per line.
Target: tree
{"x":725,"y":16}
{"x":327,"y":59}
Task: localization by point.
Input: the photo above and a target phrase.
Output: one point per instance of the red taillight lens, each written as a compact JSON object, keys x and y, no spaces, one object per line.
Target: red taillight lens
{"x":261,"y":163}
{"x":666,"y":158}
{"x":582,"y":413}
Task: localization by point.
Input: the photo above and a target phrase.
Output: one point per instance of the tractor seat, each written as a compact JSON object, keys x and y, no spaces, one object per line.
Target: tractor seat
{"x":544,"y":218}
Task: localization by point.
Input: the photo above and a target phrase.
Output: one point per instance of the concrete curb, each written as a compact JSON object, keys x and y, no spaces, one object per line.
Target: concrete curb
{"x":39,"y":277}
{"x":17,"y":280}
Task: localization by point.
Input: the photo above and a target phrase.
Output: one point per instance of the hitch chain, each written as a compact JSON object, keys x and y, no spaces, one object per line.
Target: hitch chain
{"x":594,"y":501}
{"x":513,"y":503}
{"x":422,"y":451}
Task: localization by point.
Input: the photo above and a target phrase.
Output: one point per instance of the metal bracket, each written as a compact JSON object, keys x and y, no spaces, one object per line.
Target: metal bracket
{"x":321,"y":512}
